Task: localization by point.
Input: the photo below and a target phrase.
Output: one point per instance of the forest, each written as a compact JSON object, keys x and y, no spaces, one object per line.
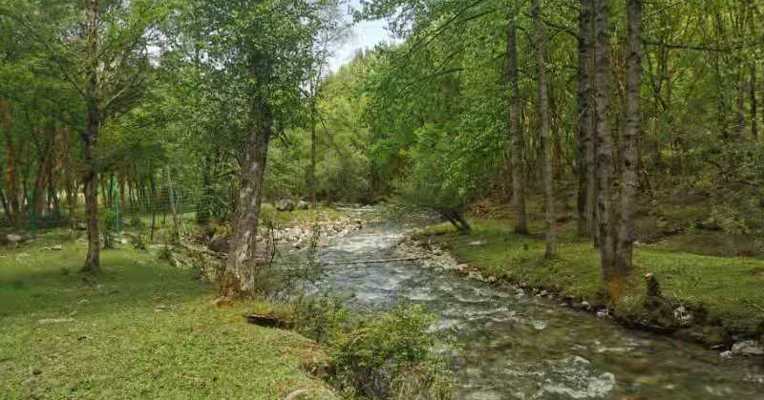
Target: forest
{"x":500,"y":199}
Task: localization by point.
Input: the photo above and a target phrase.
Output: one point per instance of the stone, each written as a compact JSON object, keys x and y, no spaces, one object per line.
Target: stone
{"x":586,"y":306}
{"x":682,"y":316}
{"x":57,"y":247}
{"x":297,"y":394}
{"x":219,"y":244}
{"x":726,"y":355}
{"x":14,"y":239}
{"x":303,"y":205}
{"x":285,"y":205}
{"x":748,"y":348}
{"x":603,"y":313}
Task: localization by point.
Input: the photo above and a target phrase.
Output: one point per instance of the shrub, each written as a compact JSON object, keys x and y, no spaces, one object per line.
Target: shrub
{"x":388,"y":356}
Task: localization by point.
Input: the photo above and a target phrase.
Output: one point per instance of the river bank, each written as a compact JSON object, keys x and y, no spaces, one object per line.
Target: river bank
{"x":715,"y":301}
{"x":141,"y":329}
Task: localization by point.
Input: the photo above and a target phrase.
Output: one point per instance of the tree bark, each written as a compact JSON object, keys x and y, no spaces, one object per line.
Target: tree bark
{"x":313,"y":147}
{"x":754,"y":103}
{"x":515,"y":131}
{"x":630,"y":143}
{"x":545,"y":134}
{"x":11,"y":179}
{"x":89,"y":139}
{"x":239,"y":275}
{"x":586,"y":150}
{"x":604,"y":145}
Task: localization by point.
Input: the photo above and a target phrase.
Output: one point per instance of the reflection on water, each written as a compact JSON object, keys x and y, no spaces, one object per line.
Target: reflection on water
{"x":506,"y":345}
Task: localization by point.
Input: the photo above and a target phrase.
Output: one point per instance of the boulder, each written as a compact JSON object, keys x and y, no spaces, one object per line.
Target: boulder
{"x":219,"y":244}
{"x":13,"y":239}
{"x":285,"y":205}
{"x":303,"y":205}
{"x":748,"y":348}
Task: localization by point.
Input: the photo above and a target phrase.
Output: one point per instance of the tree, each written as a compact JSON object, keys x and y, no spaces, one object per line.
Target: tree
{"x":586,"y":161}
{"x":629,"y":143}
{"x":514,"y":128}
{"x":545,"y":134}
{"x":100,"y":49}
{"x":604,"y":146}
{"x":267,"y":50}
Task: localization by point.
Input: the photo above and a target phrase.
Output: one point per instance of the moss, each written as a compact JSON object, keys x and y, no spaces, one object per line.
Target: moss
{"x":141,"y":329}
{"x":727,"y":290}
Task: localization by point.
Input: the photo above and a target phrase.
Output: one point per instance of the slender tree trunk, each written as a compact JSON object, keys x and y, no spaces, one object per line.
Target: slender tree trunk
{"x":630,"y":142}
{"x":604,"y":145}
{"x":754,"y":103}
{"x":11,"y":179}
{"x":545,"y":133}
{"x":515,"y":131}
{"x":586,"y":164}
{"x":239,"y":275}
{"x":89,"y":138}
{"x":4,"y":200}
{"x":313,"y":149}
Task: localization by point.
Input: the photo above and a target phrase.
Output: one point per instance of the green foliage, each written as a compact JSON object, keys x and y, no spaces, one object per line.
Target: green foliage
{"x":388,"y":356}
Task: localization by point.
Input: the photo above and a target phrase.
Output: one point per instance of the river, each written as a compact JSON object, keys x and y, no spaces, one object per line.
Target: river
{"x":506,"y":344}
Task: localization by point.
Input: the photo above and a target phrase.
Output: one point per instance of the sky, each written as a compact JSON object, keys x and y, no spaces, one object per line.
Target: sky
{"x":362,"y":36}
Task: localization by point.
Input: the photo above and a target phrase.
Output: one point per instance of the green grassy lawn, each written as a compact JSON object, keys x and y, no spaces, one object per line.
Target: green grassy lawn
{"x":142,"y":329}
{"x":730,"y":289}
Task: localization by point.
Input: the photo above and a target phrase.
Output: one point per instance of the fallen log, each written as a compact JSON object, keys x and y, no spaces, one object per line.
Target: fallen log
{"x":382,"y":261}
{"x":267,"y":321}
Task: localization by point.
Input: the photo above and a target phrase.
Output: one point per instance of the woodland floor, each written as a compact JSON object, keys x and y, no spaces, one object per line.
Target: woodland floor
{"x":142,"y":329}
{"x":696,"y":268}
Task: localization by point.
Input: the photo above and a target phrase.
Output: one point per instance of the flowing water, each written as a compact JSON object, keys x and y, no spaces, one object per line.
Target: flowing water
{"x":506,"y":344}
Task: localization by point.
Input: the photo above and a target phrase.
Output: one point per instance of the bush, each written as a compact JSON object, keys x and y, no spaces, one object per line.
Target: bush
{"x":388,"y":356}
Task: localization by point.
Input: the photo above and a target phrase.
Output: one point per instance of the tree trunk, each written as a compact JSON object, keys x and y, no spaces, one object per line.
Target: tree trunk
{"x":754,"y":103}
{"x":586,"y":150}
{"x":11,"y":179}
{"x":630,"y":143}
{"x":545,"y":133}
{"x":89,"y":138}
{"x":604,"y":145}
{"x":313,"y":149}
{"x":90,"y":181}
{"x":515,"y":131}
{"x":239,"y":275}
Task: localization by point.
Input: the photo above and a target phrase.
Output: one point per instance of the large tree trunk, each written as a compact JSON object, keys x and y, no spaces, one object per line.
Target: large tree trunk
{"x":515,"y":131}
{"x":630,"y":143}
{"x":604,"y":145}
{"x":586,"y":148}
{"x":239,"y":276}
{"x":545,"y":133}
{"x":13,"y":196}
{"x":89,"y":138}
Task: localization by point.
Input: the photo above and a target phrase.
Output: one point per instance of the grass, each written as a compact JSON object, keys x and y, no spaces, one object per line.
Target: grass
{"x":142,"y":329}
{"x":300,"y":217}
{"x":730,"y":289}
